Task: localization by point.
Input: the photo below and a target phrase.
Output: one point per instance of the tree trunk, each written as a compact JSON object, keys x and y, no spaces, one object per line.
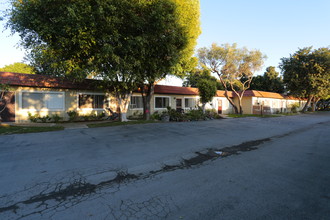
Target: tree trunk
{"x":226,"y":93}
{"x":203,"y":107}
{"x":307,"y":103}
{"x":231,"y":102}
{"x":314,"y":102}
{"x":147,"y":92}
{"x":123,"y":102}
{"x":240,"y":105}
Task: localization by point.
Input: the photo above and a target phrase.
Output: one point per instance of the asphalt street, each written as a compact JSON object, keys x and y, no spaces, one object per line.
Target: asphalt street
{"x":246,"y":168}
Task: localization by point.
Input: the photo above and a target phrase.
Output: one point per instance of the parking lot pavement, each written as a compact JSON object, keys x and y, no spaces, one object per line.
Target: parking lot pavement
{"x":48,"y":163}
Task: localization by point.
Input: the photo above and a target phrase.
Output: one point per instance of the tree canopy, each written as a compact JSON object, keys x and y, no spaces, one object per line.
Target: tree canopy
{"x":18,"y":68}
{"x":270,"y":81}
{"x":123,"y":42}
{"x":160,"y":55}
{"x":207,"y":90}
{"x":196,"y":75}
{"x":234,"y":66}
{"x":307,"y":74}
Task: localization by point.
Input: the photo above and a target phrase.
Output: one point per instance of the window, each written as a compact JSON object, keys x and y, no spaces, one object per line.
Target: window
{"x":162,"y":102}
{"x":91,"y":101}
{"x":136,"y":102}
{"x":190,"y":103}
{"x":43,"y":100}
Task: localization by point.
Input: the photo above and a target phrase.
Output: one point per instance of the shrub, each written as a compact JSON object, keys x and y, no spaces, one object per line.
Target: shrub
{"x":155,"y":116}
{"x":44,"y":119}
{"x":73,"y":115}
{"x":33,"y":118}
{"x":100,"y":116}
{"x":175,"y":115}
{"x":212,"y":114}
{"x":56,"y":118}
{"x":195,"y":115}
{"x":294,"y":107}
{"x":136,"y":116}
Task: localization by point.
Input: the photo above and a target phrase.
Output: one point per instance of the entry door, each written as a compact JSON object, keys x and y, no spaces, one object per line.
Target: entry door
{"x":7,"y":107}
{"x":219,"y":106}
{"x":179,"y":104}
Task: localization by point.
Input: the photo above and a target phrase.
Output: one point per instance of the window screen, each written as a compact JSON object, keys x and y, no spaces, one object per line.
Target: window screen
{"x":162,"y":102}
{"x":91,"y":101}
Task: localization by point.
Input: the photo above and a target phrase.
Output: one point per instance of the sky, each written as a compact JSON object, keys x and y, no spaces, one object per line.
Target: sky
{"x":277,"y":28}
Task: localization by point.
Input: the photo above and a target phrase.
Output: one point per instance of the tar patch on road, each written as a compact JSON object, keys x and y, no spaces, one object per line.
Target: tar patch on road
{"x":213,"y":154}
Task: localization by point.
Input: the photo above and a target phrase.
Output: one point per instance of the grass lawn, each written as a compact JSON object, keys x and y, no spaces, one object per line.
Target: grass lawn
{"x":117,"y":123}
{"x":9,"y":129}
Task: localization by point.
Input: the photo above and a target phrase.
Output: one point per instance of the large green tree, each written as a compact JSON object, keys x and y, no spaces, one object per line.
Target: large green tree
{"x":207,"y":90}
{"x":169,"y":40}
{"x":270,"y":81}
{"x":122,"y":42}
{"x":307,"y":74}
{"x":234,"y":66}
{"x":196,"y":75}
{"x":17,"y":68}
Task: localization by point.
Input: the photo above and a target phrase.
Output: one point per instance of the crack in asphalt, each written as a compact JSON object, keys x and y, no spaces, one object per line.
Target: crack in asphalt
{"x":158,"y":207}
{"x":80,"y":190}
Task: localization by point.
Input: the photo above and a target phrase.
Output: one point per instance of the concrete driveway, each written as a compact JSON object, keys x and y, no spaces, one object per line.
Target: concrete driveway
{"x":83,"y":173}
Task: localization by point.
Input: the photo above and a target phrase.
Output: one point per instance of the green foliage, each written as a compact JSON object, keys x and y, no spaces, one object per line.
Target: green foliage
{"x":270,"y":81}
{"x":234,"y":66}
{"x":45,"y":118}
{"x":194,"y":76}
{"x":123,"y":41}
{"x":136,"y":116}
{"x":73,"y":115}
{"x":323,"y":104}
{"x":307,"y":72}
{"x":191,"y":115}
{"x":207,"y":90}
{"x":212,"y":114}
{"x":7,"y":129}
{"x":56,"y":118}
{"x":37,"y":118}
{"x":294,"y":107}
{"x":156,"y":116}
{"x":195,"y":115}
{"x":17,"y":68}
{"x":33,"y":118}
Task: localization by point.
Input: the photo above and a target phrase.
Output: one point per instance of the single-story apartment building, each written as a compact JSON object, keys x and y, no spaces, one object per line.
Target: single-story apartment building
{"x":260,"y":102}
{"x":47,"y":95}
{"x":179,"y":98}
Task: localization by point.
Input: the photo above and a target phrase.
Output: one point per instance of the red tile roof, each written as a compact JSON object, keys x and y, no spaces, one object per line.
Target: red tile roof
{"x":221,"y":93}
{"x":33,"y":80}
{"x":255,"y":93}
{"x":177,"y":90}
{"x":161,"y":89}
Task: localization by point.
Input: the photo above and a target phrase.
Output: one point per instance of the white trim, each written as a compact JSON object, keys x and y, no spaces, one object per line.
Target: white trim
{"x":196,"y":98}
{"x":169,"y":101}
{"x":43,"y":92}
{"x":90,"y":93}
{"x":129,"y":108}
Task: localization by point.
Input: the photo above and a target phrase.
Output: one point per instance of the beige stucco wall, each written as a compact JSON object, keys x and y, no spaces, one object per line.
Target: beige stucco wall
{"x":70,"y":103}
{"x":246,"y":104}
